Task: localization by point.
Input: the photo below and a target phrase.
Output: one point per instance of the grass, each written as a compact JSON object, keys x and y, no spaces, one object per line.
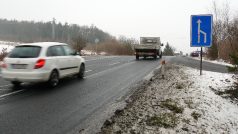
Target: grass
{"x":231,"y":92}
{"x":166,"y":120}
{"x":195,"y":115}
{"x":189,"y":103}
{"x":179,"y":86}
{"x":187,"y":121}
{"x":172,"y":106}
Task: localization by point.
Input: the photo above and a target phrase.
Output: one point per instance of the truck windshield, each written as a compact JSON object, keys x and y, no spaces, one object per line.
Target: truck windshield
{"x":25,"y":52}
{"x":149,"y":41}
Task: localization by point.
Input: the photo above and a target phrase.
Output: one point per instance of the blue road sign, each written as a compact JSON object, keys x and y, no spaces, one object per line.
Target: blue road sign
{"x":201,"y":30}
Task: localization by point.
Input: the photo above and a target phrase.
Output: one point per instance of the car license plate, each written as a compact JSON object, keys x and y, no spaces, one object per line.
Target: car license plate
{"x":19,"y":66}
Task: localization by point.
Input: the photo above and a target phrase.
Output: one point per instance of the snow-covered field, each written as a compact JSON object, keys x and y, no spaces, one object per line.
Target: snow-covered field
{"x":90,"y":52}
{"x":7,"y":45}
{"x":182,"y":102}
{"x":10,"y":45}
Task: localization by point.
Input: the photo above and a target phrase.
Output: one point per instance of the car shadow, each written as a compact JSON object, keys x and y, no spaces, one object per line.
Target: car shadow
{"x":43,"y":87}
{"x":148,"y":59}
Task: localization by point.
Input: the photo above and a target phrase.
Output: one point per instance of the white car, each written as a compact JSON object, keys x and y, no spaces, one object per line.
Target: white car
{"x":42,"y":62}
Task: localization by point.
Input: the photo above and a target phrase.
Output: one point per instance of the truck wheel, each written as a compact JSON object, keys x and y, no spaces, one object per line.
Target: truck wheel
{"x":137,"y":57}
{"x":160,"y":56}
{"x":155,"y":56}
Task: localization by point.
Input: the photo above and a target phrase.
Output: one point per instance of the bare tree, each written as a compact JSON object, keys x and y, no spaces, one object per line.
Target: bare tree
{"x":3,"y":54}
{"x":78,"y":43}
{"x":220,"y":27}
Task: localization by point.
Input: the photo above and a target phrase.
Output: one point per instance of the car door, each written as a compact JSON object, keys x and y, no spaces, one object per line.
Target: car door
{"x":58,"y":57}
{"x":72,"y":60}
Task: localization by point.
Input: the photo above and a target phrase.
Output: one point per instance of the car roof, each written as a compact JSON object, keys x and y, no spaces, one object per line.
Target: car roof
{"x":42,"y":44}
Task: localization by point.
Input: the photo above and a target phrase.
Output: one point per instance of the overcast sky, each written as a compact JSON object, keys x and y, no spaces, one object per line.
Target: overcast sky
{"x":168,"y":19}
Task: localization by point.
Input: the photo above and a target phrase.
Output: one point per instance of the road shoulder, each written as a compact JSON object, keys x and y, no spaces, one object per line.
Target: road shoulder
{"x":183,"y":102}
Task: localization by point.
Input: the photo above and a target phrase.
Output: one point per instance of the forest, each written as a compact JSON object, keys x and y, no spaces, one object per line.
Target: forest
{"x":30,"y":31}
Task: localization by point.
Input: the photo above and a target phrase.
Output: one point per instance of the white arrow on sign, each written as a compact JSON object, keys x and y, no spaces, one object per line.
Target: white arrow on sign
{"x":201,"y":32}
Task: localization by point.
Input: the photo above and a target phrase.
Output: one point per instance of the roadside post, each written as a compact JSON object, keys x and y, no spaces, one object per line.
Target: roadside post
{"x":96,"y":42}
{"x":162,"y":68}
{"x":201,"y":32}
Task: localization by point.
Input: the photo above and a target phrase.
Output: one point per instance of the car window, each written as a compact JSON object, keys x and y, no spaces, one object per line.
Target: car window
{"x":68,"y":50}
{"x":55,"y":51}
{"x":25,"y":52}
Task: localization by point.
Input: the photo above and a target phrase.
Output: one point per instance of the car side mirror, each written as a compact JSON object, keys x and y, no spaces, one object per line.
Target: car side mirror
{"x":74,"y":53}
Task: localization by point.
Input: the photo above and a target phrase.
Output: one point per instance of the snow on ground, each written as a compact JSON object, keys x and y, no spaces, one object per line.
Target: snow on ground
{"x":218,"y":61}
{"x":7,"y":45}
{"x":220,"y":114}
{"x":182,"y":102}
{"x":90,"y":52}
{"x":3,"y":46}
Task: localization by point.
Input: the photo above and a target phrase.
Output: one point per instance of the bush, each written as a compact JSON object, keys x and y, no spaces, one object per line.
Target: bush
{"x":78,"y":43}
{"x":112,"y":47}
{"x":3,"y":54}
{"x":234,"y":60}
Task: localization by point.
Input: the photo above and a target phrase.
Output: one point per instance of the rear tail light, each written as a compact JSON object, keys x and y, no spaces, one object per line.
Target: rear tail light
{"x":40,"y":63}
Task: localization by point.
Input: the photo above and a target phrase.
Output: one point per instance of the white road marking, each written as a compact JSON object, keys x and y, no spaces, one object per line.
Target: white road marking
{"x":111,"y":69}
{"x":12,"y":93}
{"x":89,"y":65}
{"x":5,"y":86}
{"x":88,"y":71}
{"x":151,"y":74}
{"x":3,"y":89}
{"x":114,"y":63}
{"x":100,"y":58}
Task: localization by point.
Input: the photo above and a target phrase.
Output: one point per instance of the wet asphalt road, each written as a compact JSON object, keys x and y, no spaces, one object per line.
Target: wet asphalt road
{"x":187,"y":61}
{"x":40,"y":110}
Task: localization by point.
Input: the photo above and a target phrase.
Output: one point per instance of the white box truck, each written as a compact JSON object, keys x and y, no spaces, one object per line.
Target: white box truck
{"x":149,"y":47}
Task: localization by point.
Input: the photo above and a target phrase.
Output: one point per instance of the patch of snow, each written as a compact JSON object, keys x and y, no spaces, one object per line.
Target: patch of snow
{"x":218,"y":113}
{"x":7,"y":45}
{"x":218,"y":61}
{"x":194,"y":94}
{"x":90,"y":52}
{"x":102,"y":53}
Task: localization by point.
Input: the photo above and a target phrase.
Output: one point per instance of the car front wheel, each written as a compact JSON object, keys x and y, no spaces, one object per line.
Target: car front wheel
{"x":16,"y":84}
{"x":81,"y":71}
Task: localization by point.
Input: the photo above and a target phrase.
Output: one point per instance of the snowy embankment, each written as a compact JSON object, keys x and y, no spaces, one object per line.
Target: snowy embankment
{"x":218,"y":61}
{"x":182,"y":102}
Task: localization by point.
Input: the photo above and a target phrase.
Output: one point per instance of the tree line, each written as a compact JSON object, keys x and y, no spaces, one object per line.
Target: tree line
{"x":79,"y":37}
{"x":225,"y":35}
{"x":30,"y":31}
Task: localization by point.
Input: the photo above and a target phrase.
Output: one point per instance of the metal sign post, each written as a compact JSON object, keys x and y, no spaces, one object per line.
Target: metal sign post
{"x":201,"y":33}
{"x":201,"y":62}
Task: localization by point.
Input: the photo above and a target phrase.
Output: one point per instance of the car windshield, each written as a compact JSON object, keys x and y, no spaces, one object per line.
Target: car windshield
{"x":25,"y":52}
